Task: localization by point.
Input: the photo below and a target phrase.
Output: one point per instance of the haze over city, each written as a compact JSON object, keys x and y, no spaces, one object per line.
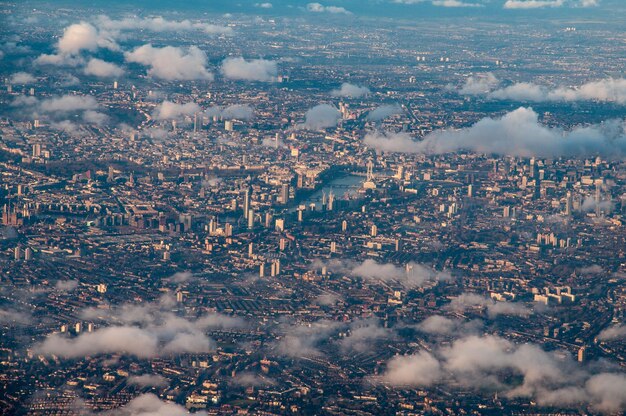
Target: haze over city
{"x":343,"y":207}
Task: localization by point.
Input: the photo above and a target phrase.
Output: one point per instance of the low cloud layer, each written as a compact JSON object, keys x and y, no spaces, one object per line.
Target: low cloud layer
{"x":147,"y":404}
{"x":321,"y":116}
{"x":68,"y":103}
{"x":613,"y":333}
{"x":470,"y":300}
{"x":350,"y":91}
{"x":172,"y":63}
{"x":411,"y":276}
{"x":169,"y":110}
{"x":320,"y":8}
{"x":485,"y":363}
{"x":517,"y":133}
{"x":249,"y":70}
{"x":102,"y":69}
{"x":232,"y":112}
{"x":610,"y":90}
{"x":144,"y":331}
{"x":543,"y":4}
{"x":22,"y":78}
{"x":160,"y":24}
{"x":383,"y":112}
{"x":304,"y":340}
{"x":148,"y":380}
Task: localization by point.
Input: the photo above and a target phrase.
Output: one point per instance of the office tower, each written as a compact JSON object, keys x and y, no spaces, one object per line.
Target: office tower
{"x":374,"y":231}
{"x":28,"y":254}
{"x":268,"y":219}
{"x":250,"y":249}
{"x":228,"y":230}
{"x":17,"y":253}
{"x":400,"y":173}
{"x":179,"y":296}
{"x":344,"y":226}
{"x":470,"y":190}
{"x":262,"y":270}
{"x":331,"y":201}
{"x":333,"y":247}
{"x":228,"y":125}
{"x":196,"y":123}
{"x":282,"y":244}
{"x":246,"y":203}
{"x":568,"y":204}
{"x":284,"y":193}
{"x":250,"y":219}
{"x":280,"y":225}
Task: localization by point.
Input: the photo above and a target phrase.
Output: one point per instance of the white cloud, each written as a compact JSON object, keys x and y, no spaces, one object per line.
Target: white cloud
{"x":95,"y":117}
{"x":441,"y":3}
{"x":252,"y":70}
{"x":384,"y":111}
{"x":150,"y":404}
{"x":391,"y":142}
{"x":148,"y":380}
{"x":66,"y":285}
{"x":363,"y":334}
{"x":613,"y":333}
{"x":303,"y":340}
{"x":144,"y":331}
{"x":160,"y":24}
{"x":532,"y":4}
{"x":454,"y":3}
{"x":412,"y":276}
{"x":440,"y":325}
{"x":130,"y":340}
{"x":59,"y":60}
{"x":78,"y":37}
{"x":606,"y":90}
{"x":469,"y":300}
{"x":68,"y":103}
{"x":321,"y":116}
{"x":517,"y":133}
{"x":319,"y":8}
{"x":13,"y":317}
{"x":480,"y":84}
{"x":416,"y":370}
{"x":263,"y":5}
{"x":102,"y":69}
{"x":350,"y":90}
{"x":172,"y":63}
{"x":168,"y":110}
{"x":232,"y":112}
{"x":22,"y":78}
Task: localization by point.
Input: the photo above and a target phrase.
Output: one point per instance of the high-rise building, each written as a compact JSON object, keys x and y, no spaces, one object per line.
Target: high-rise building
{"x":250,"y":219}
{"x":246,"y":203}
{"x":284,"y":193}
